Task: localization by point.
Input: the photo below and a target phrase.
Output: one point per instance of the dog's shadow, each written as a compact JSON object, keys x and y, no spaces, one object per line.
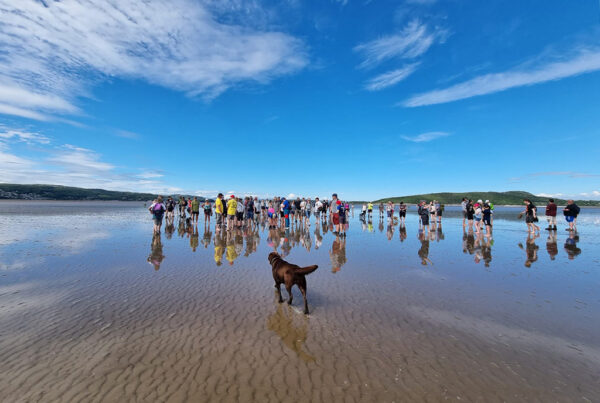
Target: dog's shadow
{"x":293,"y":335}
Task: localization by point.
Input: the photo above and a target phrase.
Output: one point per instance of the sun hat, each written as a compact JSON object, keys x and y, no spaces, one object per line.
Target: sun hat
{"x":232,"y":196}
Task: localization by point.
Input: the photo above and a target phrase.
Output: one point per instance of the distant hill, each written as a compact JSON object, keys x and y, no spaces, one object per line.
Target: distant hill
{"x":56,"y":192}
{"x":498,"y":198}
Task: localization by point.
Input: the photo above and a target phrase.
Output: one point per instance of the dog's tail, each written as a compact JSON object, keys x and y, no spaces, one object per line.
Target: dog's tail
{"x":307,"y":269}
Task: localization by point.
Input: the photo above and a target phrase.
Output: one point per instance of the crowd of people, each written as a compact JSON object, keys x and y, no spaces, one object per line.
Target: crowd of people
{"x":235,"y":212}
{"x":288,"y":220}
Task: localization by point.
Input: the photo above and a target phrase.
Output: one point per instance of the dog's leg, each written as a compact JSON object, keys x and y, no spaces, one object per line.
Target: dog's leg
{"x":278,"y":288}
{"x":289,"y":290}
{"x":302,"y":287}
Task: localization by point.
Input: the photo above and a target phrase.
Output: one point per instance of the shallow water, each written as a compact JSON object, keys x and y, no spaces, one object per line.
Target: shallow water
{"x":93,"y":307}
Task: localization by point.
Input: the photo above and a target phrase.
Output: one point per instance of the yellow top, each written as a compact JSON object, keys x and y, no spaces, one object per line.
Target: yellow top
{"x":219,"y":206}
{"x":231,"y":206}
{"x":370,"y":206}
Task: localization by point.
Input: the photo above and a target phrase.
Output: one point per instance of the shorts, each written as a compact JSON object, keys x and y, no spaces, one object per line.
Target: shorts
{"x":370,"y":211}
{"x":529,"y":219}
{"x":271,"y":215}
{"x":219,"y":219}
{"x":195,"y":212}
{"x":469,"y":216}
{"x":570,"y":218}
{"x":336,"y":218}
{"x":390,"y":213}
{"x":207,"y":213}
{"x":307,"y":213}
{"x":157,"y":220}
{"x":425,"y":219}
{"x":487,"y":221}
{"x":402,"y":214}
{"x":239,"y":216}
{"x":439,"y":213}
{"x":465,"y":214}
{"x":250,"y":215}
{"x":231,"y":216}
{"x":342,"y":219}
{"x":477,"y":219}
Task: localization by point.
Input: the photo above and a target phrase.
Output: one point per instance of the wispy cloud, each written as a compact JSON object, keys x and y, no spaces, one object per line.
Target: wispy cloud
{"x":569,"y":174}
{"x":582,"y":60}
{"x":22,"y":135}
{"x":126,"y":134}
{"x":414,"y":40}
{"x":53,"y":52}
{"x":391,"y":77}
{"x":426,"y":137}
{"x":70,"y":165}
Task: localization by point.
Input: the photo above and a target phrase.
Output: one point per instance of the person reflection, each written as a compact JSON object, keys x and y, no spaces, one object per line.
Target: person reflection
{"x":468,"y":241}
{"x":231,"y":252}
{"x":486,"y":250}
{"x":380,"y":226}
{"x":337,"y":254}
{"x":156,"y":251}
{"x":424,"y":250}
{"x":281,"y":322}
{"x":552,"y":245}
{"x":390,"y":231}
{"x":440,"y":233}
{"x":252,"y":239}
{"x":402,"y":232}
{"x":531,"y":249}
{"x":318,"y":237}
{"x":169,"y":227}
{"x":220,"y":243}
{"x":571,"y":245}
{"x":194,"y":238}
{"x":206,"y":237}
{"x":370,"y":226}
{"x":181,"y":231}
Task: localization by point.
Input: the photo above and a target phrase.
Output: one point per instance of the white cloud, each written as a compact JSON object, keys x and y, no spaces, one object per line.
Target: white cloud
{"x":596,"y":193}
{"x":391,"y":77}
{"x":583,"y":60}
{"x":414,"y":40}
{"x":52,"y":52}
{"x":127,"y":134}
{"x":22,"y":135}
{"x":549,"y":194}
{"x":81,"y":159}
{"x":426,"y":137}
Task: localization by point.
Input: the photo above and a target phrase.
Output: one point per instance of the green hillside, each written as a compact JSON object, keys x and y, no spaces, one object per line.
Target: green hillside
{"x":498,"y":198}
{"x":55,"y":192}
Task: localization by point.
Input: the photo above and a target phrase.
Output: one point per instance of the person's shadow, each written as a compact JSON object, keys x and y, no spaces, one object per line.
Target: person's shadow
{"x":293,"y":336}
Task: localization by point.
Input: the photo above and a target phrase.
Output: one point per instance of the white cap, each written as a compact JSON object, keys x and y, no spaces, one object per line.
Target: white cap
{"x":479,"y":201}
{"x":487,"y":201}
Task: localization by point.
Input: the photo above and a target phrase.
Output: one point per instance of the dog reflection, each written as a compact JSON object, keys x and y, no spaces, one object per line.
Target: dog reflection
{"x":282,"y":323}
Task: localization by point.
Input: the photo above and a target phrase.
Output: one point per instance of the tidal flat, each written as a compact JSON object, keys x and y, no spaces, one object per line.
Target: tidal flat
{"x":94,"y":307}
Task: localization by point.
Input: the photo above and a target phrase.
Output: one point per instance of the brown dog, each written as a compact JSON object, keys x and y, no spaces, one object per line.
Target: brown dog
{"x":289,"y":274}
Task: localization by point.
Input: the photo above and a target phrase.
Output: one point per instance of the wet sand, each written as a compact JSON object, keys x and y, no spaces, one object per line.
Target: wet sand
{"x":86,"y":317}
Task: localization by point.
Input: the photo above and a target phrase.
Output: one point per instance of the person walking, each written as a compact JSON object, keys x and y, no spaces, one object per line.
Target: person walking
{"x":571,"y":211}
{"x":231,"y":212}
{"x":530,"y":216}
{"x":195,"y":209}
{"x":463,"y":206}
{"x":207,"y":208}
{"x":551,"y":215}
{"x":402,"y":213}
{"x":157,"y":209}
{"x":370,"y":210}
{"x":219,"y":210}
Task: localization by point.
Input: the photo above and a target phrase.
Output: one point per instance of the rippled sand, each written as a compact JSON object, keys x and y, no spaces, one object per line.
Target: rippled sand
{"x":96,"y":322}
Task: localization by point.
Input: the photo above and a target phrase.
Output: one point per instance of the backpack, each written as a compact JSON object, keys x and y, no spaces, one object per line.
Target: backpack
{"x":576,"y":209}
{"x":158,"y":209}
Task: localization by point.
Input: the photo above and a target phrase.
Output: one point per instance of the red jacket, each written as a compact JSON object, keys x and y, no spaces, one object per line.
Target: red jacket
{"x":551,"y":210}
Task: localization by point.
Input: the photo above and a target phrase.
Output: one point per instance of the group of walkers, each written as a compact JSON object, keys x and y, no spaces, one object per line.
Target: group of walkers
{"x":281,"y":212}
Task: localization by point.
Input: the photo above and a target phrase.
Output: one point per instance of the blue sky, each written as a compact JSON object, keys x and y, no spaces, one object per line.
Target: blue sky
{"x":364,"y":98}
